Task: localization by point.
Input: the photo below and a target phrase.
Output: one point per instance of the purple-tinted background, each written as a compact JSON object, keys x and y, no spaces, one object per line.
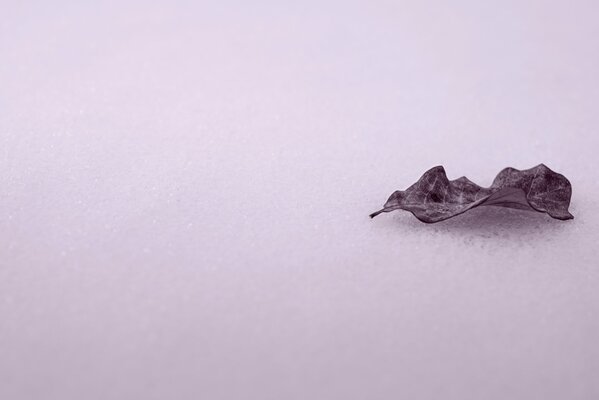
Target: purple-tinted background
{"x":184,"y":192}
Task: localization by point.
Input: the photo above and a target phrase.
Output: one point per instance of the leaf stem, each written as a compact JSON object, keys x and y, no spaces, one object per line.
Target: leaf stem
{"x":374,"y":214}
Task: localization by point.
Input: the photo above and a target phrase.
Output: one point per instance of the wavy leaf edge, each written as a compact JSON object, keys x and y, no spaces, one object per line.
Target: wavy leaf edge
{"x":434,"y":198}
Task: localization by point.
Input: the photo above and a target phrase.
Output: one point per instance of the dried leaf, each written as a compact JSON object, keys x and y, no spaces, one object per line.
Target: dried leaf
{"x":435,"y":198}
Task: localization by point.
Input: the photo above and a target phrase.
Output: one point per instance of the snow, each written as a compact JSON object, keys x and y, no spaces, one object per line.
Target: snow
{"x":185,"y":190}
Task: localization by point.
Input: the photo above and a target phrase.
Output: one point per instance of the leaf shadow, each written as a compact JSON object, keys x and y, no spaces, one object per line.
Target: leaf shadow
{"x":493,"y":222}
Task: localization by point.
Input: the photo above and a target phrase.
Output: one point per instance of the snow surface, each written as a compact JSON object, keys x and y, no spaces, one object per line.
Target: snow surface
{"x":185,"y":189}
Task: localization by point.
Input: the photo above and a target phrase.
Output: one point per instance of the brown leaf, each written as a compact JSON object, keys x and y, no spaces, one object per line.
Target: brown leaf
{"x":435,"y":198}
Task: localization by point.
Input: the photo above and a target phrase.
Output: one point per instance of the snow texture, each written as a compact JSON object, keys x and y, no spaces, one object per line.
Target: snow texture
{"x":185,"y":189}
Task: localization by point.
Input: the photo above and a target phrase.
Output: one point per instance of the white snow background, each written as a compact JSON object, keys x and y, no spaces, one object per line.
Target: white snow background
{"x":185,"y":189}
